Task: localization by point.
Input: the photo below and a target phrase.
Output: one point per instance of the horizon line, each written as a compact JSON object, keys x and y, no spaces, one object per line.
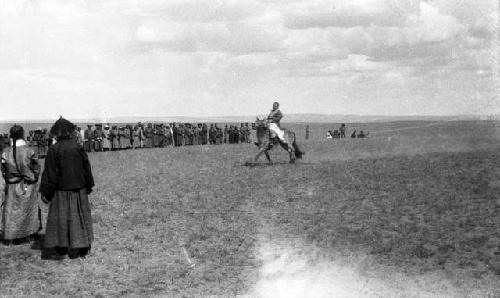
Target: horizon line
{"x":97,"y":119}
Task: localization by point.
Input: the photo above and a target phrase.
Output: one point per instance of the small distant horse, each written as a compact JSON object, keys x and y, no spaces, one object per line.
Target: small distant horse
{"x":265,"y":142}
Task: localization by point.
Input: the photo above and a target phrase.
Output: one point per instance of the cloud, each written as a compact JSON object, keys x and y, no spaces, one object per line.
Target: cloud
{"x":346,"y":14}
{"x":431,"y":26}
{"x":121,"y":50}
{"x":256,"y":34}
{"x":199,"y":11}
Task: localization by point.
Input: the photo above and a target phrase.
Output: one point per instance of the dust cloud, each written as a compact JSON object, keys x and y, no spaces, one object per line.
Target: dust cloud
{"x":296,"y":270}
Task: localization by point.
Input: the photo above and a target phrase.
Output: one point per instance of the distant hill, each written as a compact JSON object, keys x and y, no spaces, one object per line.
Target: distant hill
{"x":294,"y":118}
{"x":289,"y":118}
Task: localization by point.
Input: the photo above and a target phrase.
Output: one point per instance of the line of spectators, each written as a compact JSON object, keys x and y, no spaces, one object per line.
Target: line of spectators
{"x":113,"y":137}
{"x":99,"y":137}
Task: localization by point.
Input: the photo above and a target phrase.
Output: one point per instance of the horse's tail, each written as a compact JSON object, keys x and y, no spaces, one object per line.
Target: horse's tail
{"x":298,"y":152}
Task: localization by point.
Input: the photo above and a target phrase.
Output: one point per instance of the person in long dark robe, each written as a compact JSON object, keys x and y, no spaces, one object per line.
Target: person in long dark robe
{"x":148,"y":132}
{"x":124,"y":138}
{"x":236,"y":134}
{"x":2,"y":196}
{"x":156,"y":135}
{"x":41,"y":143}
{"x":212,"y":132}
{"x":219,"y":134}
{"x":189,"y":134}
{"x":66,"y":183}
{"x":88,"y":142}
{"x":177,"y":135}
{"x":196,"y":133}
{"x":98,"y":138}
{"x":21,"y":170}
{"x":114,"y":137}
{"x":204,"y":134}
{"x":2,"y":187}
{"x":180,"y":135}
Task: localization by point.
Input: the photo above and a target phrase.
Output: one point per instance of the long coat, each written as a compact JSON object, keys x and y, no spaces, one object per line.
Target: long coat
{"x":21,"y":203}
{"x":66,"y":182}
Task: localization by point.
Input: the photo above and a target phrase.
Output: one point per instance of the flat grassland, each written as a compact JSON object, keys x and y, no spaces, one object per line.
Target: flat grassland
{"x":411,"y":211}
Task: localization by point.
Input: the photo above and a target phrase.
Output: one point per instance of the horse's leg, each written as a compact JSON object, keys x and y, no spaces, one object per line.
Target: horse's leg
{"x":259,"y":154}
{"x":291,"y":154}
{"x":268,"y":157}
{"x":288,"y":146}
{"x":289,"y":149}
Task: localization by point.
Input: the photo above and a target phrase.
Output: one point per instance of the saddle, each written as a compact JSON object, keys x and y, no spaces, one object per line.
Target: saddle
{"x":273,"y":139}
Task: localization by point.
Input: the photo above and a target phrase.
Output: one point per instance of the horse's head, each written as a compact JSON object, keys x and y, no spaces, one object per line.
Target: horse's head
{"x":260,"y":122}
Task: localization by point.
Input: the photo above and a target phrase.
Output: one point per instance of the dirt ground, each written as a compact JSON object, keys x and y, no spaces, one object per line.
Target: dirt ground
{"x":411,"y":211}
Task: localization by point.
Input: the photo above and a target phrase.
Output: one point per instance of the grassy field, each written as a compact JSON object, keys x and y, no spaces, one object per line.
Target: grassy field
{"x":412,"y":211}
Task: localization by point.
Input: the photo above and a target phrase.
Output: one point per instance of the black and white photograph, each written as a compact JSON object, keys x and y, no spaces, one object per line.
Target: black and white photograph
{"x":250,"y":148}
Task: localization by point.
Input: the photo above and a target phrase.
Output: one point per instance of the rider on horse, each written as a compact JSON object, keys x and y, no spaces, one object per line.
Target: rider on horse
{"x":267,"y":130}
{"x":273,"y":120}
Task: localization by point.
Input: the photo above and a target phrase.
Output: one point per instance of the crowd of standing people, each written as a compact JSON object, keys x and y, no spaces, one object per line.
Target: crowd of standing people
{"x":103,"y":138}
{"x":106,"y":137}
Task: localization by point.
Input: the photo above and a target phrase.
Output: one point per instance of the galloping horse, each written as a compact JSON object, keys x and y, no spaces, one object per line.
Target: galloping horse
{"x":265,"y":142}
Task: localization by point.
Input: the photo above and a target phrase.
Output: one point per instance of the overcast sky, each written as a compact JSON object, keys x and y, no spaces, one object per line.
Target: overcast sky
{"x":100,"y":58}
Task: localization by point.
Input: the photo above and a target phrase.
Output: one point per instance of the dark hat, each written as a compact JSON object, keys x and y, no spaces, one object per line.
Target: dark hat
{"x":62,"y":128}
{"x":16,"y":132}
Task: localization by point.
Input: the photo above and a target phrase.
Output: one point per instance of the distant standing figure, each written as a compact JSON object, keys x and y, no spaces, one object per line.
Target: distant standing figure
{"x":136,"y":141}
{"x":142,"y":136}
{"x":2,"y":187}
{"x":106,"y":143}
{"x":307,"y":132}
{"x":342,"y":130}
{"x":212,"y":134}
{"x":21,"y":170}
{"x":66,"y":182}
{"x":78,"y":136}
{"x":89,"y":139}
{"x":82,"y":136}
{"x":247,"y":132}
{"x":98,"y":137}
{"x":30,"y":138}
{"x":124,"y":138}
{"x":114,"y":136}
{"x":148,"y":133}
